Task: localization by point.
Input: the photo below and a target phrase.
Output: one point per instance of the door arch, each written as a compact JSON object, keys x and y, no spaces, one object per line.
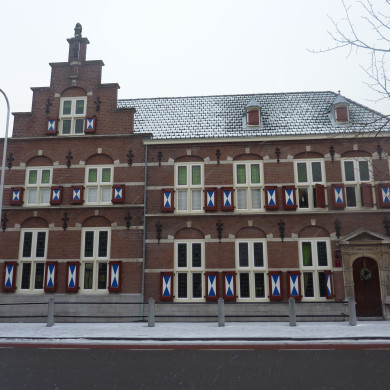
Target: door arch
{"x":367,"y":288}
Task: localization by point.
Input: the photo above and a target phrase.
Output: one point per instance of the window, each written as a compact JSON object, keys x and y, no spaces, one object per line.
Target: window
{"x":248,"y":182}
{"x":99,"y":184}
{"x":72,"y":115}
{"x":309,"y":179}
{"x":253,"y":116}
{"x":341,"y":114}
{"x":189,"y":265}
{"x":189,"y":187}
{"x":251,"y":268}
{"x":94,"y":258}
{"x":33,"y":248}
{"x":38,"y":182}
{"x":315,"y":265}
{"x":355,"y":173}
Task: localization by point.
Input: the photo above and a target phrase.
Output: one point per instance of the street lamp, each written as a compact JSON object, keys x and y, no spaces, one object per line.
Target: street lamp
{"x":4,"y":153}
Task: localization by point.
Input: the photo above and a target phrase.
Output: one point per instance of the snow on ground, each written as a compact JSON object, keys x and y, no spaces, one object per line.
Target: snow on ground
{"x":191,"y":332}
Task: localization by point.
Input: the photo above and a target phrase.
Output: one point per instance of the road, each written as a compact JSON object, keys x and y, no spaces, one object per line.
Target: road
{"x":111,"y":368}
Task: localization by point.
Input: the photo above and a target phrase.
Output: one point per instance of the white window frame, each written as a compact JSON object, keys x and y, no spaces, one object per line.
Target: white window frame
{"x":315,"y":269}
{"x":189,"y":270}
{"x":39,"y":188}
{"x":99,"y":187}
{"x":309,"y":184}
{"x":95,"y":259}
{"x":33,"y":260}
{"x":357,"y":179}
{"x":73,"y":117}
{"x":252,"y":270}
{"x":187,"y":192}
{"x":246,"y":190}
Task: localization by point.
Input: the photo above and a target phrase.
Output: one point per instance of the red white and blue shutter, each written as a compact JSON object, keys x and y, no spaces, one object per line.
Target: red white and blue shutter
{"x":17,"y":195}
{"x":366,"y":192}
{"x":229,"y":286}
{"x":227,"y":199}
{"x":72,"y":281}
{"x":90,"y":125}
{"x":167,"y":200}
{"x":271,"y":198}
{"x":289,"y":199}
{"x":329,"y":285}
{"x":338,"y":196}
{"x":166,"y":286}
{"x":210,"y":199}
{"x":320,"y":196}
{"x":9,"y":280}
{"x":51,"y":276}
{"x":56,"y":195}
{"x":77,"y":195}
{"x":384,"y":195}
{"x":52,"y":126}
{"x":294,"y":285}
{"x":115,"y":271}
{"x":211,"y":286}
{"x":275,"y":285}
{"x":118,"y":193}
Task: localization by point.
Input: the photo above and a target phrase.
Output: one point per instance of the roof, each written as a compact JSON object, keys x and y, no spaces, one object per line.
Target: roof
{"x":298,"y":113}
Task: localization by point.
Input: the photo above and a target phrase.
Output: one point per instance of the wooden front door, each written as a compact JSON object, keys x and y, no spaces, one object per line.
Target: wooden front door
{"x":367,"y":288}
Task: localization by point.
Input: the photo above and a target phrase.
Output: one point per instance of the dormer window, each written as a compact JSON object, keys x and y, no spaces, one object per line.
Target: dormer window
{"x":253,"y":117}
{"x":341,"y":114}
{"x":72,"y":115}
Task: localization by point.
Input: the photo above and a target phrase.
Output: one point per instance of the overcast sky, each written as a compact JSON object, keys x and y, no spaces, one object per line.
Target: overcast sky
{"x":158,"y":48}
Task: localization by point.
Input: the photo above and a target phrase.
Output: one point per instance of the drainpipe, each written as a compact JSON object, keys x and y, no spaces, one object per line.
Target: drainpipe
{"x":144,"y":235}
{"x":4,"y":153}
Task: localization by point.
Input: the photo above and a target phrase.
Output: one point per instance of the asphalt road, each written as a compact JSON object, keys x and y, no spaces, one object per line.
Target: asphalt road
{"x":63,"y":369}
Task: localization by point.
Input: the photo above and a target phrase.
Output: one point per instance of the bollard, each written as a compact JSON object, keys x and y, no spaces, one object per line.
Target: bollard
{"x":50,"y":313}
{"x":291,"y":312}
{"x":221,"y":312}
{"x":151,"y":311}
{"x":352,"y":311}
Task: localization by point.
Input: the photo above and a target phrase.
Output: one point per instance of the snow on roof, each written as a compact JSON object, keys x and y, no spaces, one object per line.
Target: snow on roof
{"x":297,"y":113}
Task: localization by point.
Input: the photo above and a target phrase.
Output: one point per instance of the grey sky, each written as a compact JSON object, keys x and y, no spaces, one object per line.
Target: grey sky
{"x":157,"y":48}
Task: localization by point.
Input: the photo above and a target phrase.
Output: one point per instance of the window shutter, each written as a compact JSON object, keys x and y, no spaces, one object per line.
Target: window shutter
{"x":166,"y":286}
{"x":9,"y":279}
{"x":211,"y":286}
{"x":271,"y":198}
{"x":90,"y":124}
{"x":17,"y":195}
{"x":115,"y":272}
{"x":320,"y":196}
{"x":366,"y":192}
{"x":275,"y":285}
{"x":294,"y":285}
{"x":289,"y":199}
{"x":56,"y":195}
{"x":118,"y":193}
{"x":52,"y":126}
{"x":342,"y":114}
{"x":210,"y":199}
{"x":229,"y":286}
{"x":167,"y":200}
{"x":227,"y":199}
{"x":253,"y":117}
{"x":72,"y":282}
{"x":338,"y":196}
{"x":51,"y":276}
{"x":329,"y":285}
{"x":77,"y":195}
{"x":384,"y":195}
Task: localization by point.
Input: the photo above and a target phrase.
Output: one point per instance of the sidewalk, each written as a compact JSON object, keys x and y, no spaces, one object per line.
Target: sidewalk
{"x":173,"y":332}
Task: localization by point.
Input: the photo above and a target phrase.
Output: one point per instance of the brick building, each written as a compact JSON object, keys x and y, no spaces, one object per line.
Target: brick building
{"x":252,"y":198}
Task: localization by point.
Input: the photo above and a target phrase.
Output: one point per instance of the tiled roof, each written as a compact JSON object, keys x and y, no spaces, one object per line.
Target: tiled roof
{"x":224,"y":116}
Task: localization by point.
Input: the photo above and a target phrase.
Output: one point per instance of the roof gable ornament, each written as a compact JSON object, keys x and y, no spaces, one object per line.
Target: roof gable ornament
{"x":77,"y":30}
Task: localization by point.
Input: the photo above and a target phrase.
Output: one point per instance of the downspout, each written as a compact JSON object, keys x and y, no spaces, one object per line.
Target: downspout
{"x":144,"y":235}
